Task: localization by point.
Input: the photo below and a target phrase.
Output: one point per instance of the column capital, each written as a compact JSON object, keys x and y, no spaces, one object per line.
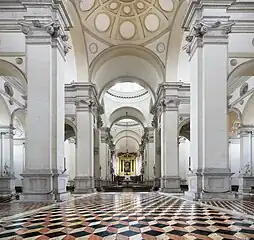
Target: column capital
{"x":170,"y":103}
{"x":246,"y":130}
{"x":170,"y":94}
{"x":41,"y":32}
{"x":207,"y":32}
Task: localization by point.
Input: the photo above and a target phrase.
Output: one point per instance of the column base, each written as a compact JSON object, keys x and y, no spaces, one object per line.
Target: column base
{"x":156,"y":184}
{"x":84,"y":185}
{"x":60,"y":181}
{"x":170,"y":185}
{"x":7,"y":185}
{"x":97,"y":184}
{"x":105,"y":183}
{"x":246,"y":184}
{"x":39,"y":185}
{"x":210,"y":185}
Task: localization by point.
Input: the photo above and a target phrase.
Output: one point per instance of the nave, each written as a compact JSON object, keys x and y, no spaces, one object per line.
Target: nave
{"x":130,"y":216}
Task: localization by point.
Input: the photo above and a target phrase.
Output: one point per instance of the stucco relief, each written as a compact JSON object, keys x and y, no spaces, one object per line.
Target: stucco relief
{"x":127,"y":21}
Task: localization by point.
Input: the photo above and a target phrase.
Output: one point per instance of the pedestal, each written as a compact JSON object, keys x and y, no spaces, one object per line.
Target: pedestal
{"x":170,"y":184}
{"x":7,"y":185}
{"x":84,"y":185}
{"x":156,"y":183}
{"x":59,"y":185}
{"x":209,"y":185}
{"x":38,"y":186}
{"x":246,"y":183}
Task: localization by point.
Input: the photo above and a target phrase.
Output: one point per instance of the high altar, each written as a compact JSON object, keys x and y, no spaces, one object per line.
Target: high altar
{"x":126,"y":164}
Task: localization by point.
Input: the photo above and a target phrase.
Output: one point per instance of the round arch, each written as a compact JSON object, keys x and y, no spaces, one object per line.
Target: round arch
{"x":7,"y":69}
{"x":126,"y":60}
{"x":244,"y":69}
{"x":79,"y":44}
{"x":129,"y":117}
{"x":20,"y":113}
{"x":184,"y":122}
{"x":132,"y":79}
{"x":5,"y":114}
{"x":127,"y":137}
{"x":237,"y":112}
{"x":175,"y":44}
{"x":132,"y":144}
{"x":69,"y":129}
{"x":123,"y":133}
{"x":133,"y":113}
{"x":248,"y":113}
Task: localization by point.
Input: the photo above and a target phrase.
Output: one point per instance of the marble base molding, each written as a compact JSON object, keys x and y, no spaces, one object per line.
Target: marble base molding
{"x":246,"y":183}
{"x":84,"y":185}
{"x":170,"y":184}
{"x":210,"y":184}
{"x":47,"y":185}
{"x":7,"y":185}
{"x":156,"y":183}
{"x":97,"y":183}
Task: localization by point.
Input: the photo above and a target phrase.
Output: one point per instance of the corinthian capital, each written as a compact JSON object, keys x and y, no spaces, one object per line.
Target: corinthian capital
{"x":170,"y":102}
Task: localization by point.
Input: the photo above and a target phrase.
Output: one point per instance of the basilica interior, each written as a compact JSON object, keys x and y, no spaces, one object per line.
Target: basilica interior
{"x":126,"y":119}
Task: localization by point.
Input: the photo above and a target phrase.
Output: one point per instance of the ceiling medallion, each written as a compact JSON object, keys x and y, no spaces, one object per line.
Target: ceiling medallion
{"x":127,"y":21}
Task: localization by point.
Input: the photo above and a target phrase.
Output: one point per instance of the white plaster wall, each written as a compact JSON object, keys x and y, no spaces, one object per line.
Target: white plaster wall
{"x":70,"y":156}
{"x":12,"y":42}
{"x":70,"y":74}
{"x":248,"y":113}
{"x":183,"y":64}
{"x":18,"y":159}
{"x":184,"y":154}
{"x":234,"y":160}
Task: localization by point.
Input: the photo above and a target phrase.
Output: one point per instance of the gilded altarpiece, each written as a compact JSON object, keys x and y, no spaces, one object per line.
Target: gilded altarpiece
{"x":127,"y":164}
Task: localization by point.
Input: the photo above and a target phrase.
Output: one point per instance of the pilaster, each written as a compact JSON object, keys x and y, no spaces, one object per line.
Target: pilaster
{"x":104,"y":156}
{"x":7,"y":177}
{"x":167,"y":111}
{"x":207,"y":46}
{"x":97,"y":167}
{"x":46,"y":46}
{"x":86,"y":109}
{"x":246,"y":173}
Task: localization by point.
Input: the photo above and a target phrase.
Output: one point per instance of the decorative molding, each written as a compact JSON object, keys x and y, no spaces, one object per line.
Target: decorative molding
{"x":215,"y":32}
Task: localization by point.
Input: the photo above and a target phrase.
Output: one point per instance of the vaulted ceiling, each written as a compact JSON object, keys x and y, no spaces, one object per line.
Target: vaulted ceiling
{"x":109,"y":23}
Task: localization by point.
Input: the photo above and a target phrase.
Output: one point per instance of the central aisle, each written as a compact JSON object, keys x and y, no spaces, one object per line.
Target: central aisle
{"x":128,"y":216}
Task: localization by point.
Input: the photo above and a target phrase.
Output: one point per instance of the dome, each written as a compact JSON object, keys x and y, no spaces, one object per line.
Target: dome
{"x":127,"y":21}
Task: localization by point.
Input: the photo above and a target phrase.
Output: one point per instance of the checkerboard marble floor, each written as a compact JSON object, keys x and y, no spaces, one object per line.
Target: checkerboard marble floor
{"x":245,"y":205}
{"x":128,"y":216}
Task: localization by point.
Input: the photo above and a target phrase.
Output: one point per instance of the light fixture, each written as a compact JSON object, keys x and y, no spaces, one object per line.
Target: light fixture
{"x":126,"y":133}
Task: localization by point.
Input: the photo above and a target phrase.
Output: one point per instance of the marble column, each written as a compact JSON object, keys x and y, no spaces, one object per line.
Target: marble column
{"x":170,"y":180}
{"x":207,"y":46}
{"x":246,"y":173}
{"x":44,"y":178}
{"x":84,"y":180}
{"x":97,"y":166}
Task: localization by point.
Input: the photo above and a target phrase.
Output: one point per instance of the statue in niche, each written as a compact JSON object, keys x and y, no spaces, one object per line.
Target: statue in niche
{"x":154,"y":170}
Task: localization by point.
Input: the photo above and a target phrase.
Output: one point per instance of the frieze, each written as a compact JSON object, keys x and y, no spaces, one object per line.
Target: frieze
{"x":201,"y":28}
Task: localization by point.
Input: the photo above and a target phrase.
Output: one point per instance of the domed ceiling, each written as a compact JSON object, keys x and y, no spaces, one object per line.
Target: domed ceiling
{"x":127,"y":21}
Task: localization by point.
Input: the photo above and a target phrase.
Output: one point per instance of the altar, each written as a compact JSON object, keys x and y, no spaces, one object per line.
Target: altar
{"x":126,"y":165}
